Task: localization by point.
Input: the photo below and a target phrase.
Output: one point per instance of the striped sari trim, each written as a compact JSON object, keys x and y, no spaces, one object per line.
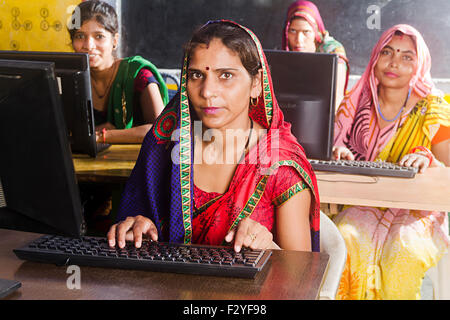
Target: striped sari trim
{"x":252,"y":202}
{"x":289,"y":193}
{"x":185,"y":157}
{"x":205,"y":206}
{"x":256,"y":196}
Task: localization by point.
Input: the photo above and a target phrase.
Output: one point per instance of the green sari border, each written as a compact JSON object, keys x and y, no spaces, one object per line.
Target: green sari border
{"x":185,"y":157}
{"x":261,"y":186}
{"x":289,"y":193}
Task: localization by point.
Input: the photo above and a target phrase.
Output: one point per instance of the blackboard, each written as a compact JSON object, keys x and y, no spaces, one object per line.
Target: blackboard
{"x":158,"y":29}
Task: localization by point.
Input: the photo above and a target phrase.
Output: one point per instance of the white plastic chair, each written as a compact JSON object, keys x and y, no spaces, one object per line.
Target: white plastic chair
{"x":440,"y":278}
{"x":331,"y":242}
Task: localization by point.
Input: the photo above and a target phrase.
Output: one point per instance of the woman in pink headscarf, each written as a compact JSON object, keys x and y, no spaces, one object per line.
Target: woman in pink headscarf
{"x":304,"y":31}
{"x":395,"y":114}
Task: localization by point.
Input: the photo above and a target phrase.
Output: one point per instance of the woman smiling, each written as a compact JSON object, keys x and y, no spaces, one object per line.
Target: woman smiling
{"x":128,"y":93}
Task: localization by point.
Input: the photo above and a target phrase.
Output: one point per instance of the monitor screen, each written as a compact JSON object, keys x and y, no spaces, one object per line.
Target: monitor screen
{"x":38,"y":187}
{"x":73,"y":76}
{"x":305,"y":87}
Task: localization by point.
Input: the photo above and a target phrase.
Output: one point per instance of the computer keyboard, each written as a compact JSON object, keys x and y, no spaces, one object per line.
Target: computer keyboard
{"x":152,"y":256}
{"x":369,"y":168}
{"x":102,"y":146}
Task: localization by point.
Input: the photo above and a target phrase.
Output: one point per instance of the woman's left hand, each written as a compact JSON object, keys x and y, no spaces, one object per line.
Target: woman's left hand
{"x":250,"y":234}
{"x":418,"y":160}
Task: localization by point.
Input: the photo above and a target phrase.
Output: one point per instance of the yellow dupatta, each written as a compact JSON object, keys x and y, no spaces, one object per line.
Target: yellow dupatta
{"x":418,"y":129}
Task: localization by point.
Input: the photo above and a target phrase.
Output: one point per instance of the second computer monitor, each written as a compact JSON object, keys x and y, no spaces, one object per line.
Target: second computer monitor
{"x":305,"y":88}
{"x":73,"y":75}
{"x":38,"y":186}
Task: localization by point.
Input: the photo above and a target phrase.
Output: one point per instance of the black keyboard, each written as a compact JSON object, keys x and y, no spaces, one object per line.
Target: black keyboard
{"x":369,"y":168}
{"x":152,"y":256}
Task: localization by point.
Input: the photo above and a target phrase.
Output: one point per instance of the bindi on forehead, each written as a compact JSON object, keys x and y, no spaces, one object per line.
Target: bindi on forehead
{"x":207,"y":68}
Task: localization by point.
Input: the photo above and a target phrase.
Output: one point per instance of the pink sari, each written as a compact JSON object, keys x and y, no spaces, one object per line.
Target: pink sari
{"x":389,"y":250}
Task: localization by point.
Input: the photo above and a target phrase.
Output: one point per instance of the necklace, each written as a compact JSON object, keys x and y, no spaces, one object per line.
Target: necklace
{"x":398,"y":114}
{"x":100,"y":96}
{"x":248,"y":140}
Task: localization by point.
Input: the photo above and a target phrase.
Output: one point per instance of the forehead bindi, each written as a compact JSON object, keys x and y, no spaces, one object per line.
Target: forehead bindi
{"x":401,"y":43}
{"x":215,"y":56}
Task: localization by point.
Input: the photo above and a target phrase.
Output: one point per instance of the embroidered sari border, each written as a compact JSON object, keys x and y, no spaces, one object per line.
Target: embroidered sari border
{"x":289,"y":193}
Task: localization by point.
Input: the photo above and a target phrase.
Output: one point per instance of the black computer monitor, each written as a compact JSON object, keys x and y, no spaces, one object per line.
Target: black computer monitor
{"x":305,"y":87}
{"x":38,"y":187}
{"x":72,"y":72}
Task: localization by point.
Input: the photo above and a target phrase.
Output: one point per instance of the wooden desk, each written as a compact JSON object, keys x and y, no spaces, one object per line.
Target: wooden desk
{"x":426,"y":191}
{"x":288,"y":275}
{"x":111,"y":165}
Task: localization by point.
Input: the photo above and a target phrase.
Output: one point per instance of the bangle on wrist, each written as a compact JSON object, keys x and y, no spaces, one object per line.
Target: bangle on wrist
{"x":427,"y":153}
{"x":104,"y":135}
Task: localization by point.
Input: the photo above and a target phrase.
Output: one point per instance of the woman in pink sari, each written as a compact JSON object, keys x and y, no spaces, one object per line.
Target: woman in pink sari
{"x":395,"y":114}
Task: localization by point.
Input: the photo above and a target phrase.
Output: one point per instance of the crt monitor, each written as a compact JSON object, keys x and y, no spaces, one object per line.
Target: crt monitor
{"x":38,"y":187}
{"x":73,"y":75}
{"x":305,"y":86}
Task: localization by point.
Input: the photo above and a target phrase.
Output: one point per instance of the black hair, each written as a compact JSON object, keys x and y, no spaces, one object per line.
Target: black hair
{"x":102,"y":12}
{"x":233,"y":37}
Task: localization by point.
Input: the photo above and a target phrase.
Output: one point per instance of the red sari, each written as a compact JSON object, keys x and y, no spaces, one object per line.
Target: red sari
{"x":184,"y":214}
{"x":252,"y":192}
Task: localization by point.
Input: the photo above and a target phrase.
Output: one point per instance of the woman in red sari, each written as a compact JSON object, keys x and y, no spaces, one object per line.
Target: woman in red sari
{"x":184,"y":188}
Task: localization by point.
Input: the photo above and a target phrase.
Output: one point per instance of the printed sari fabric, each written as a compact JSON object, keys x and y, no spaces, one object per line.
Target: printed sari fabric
{"x":161,"y":185}
{"x":121,"y":102}
{"x":389,"y":250}
{"x":324,"y":42}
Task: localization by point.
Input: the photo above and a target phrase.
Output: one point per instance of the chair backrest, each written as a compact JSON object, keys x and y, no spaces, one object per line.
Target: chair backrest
{"x":172,"y":83}
{"x":331,"y":242}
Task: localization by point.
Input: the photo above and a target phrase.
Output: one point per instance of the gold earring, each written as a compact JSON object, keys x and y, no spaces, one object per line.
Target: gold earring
{"x":254,"y":104}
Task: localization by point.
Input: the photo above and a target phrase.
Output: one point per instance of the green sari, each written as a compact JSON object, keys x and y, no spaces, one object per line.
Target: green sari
{"x":121,"y":98}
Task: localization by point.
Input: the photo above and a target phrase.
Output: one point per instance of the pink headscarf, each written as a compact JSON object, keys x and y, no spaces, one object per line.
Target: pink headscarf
{"x":310,"y":13}
{"x":365,"y":90}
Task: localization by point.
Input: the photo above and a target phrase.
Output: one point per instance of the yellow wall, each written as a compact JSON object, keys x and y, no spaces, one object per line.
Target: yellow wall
{"x":37,"y":25}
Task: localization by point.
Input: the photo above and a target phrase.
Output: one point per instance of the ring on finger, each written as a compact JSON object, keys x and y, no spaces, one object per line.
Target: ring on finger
{"x":252,"y":236}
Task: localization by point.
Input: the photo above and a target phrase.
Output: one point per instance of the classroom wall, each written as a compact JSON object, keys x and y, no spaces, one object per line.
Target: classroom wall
{"x":38,"y":25}
{"x":157,"y":29}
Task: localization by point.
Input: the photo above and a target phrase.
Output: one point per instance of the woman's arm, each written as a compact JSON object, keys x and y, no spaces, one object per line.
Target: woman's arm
{"x":441,"y":152}
{"x":152,"y":105}
{"x":292,"y":223}
{"x":132,"y":135}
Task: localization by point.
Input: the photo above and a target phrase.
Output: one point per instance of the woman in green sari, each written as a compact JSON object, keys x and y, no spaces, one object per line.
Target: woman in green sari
{"x":127,"y":93}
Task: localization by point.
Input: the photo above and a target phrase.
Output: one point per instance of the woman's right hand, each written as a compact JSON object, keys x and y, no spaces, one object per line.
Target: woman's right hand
{"x":342,"y":153}
{"x":132,"y":229}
